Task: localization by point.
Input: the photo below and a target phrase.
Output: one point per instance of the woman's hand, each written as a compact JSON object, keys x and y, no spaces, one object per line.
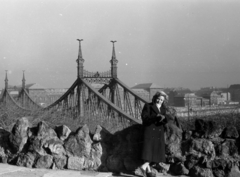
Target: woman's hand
{"x":162,"y":117}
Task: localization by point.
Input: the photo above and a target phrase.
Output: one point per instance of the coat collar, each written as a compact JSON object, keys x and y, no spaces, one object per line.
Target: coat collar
{"x":154,"y":106}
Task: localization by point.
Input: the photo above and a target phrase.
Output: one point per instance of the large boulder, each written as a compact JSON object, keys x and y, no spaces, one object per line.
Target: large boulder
{"x":227,"y":148}
{"x":98,"y":156}
{"x":43,"y":140}
{"x":19,"y":136}
{"x":230,"y":132}
{"x":198,"y":151}
{"x":206,"y":129}
{"x":79,"y":144}
{"x":59,"y":162}
{"x":26,"y":160}
{"x":76,"y":163}
{"x":173,"y":139}
{"x":45,"y":161}
{"x":203,"y":148}
{"x":125,"y":149}
{"x":4,"y":146}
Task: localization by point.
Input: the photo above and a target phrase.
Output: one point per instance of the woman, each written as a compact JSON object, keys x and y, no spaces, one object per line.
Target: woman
{"x":153,"y":118}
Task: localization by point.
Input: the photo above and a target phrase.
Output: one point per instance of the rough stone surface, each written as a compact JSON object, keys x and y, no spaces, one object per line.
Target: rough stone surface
{"x":234,"y":172}
{"x":55,"y":147}
{"x":178,"y":169}
{"x":101,"y":134}
{"x":230,"y":132}
{"x":76,"y":163}
{"x":18,"y":136}
{"x":200,"y":172}
{"x":187,"y":135}
{"x":173,"y":139}
{"x":218,"y":173}
{"x":227,"y":148}
{"x":199,"y":154}
{"x":79,"y":144}
{"x":63,"y":132}
{"x":115,"y":163}
{"x":41,"y":136}
{"x":98,"y":156}
{"x":191,"y":161}
{"x":4,"y":146}
{"x":59,"y":162}
{"x":203,"y":148}
{"x":45,"y":161}
{"x":207,"y":129}
{"x":26,"y":160}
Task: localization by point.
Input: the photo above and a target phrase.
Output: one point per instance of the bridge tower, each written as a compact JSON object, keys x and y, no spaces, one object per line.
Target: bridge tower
{"x":114,"y":62}
{"x":23,"y":88}
{"x":23,"y":81}
{"x":6,"y":81}
{"x":80,"y":62}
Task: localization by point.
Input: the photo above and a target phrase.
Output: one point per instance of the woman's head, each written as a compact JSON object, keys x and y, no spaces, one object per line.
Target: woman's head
{"x":159,"y":97}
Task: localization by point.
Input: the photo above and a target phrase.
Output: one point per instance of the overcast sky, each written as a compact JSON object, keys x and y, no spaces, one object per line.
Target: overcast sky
{"x":179,"y":43}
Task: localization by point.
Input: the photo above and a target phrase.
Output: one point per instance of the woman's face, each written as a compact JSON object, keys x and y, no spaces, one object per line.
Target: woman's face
{"x":160,"y":100}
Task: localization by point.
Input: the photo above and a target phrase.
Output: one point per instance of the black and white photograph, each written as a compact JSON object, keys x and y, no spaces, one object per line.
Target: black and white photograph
{"x":125,"y":88}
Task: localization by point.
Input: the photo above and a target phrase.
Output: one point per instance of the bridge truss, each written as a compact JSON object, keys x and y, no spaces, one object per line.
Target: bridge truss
{"x":114,"y":102}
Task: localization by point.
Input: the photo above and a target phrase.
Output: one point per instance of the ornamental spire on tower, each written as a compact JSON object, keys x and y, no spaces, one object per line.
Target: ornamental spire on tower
{"x":6,"y":80}
{"x":80,"y":50}
{"x":80,"y":60}
{"x":23,"y":80}
{"x":114,"y":62}
{"x":113,"y":51}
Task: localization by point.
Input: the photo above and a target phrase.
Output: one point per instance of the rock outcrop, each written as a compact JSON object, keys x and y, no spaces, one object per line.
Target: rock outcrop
{"x":197,"y":153}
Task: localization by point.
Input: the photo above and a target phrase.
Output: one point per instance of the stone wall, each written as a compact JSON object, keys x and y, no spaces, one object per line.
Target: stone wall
{"x":205,"y":151}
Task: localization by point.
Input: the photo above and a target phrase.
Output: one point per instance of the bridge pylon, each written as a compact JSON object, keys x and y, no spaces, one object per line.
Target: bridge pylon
{"x":80,"y":60}
{"x":114,"y":62}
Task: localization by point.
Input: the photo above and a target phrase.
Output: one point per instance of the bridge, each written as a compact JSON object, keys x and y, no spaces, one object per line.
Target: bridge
{"x":83,"y":100}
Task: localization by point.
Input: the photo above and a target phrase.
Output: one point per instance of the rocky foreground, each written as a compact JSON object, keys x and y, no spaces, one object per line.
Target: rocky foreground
{"x":206,"y":151}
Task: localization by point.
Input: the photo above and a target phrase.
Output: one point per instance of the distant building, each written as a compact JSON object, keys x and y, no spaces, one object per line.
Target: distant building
{"x":205,"y":92}
{"x":176,"y":94}
{"x":235,"y":92}
{"x":187,"y":100}
{"x":147,"y":90}
{"x":44,"y":96}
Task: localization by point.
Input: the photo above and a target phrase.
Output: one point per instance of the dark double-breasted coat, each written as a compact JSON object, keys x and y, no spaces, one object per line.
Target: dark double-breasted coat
{"x":154,"y":142}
